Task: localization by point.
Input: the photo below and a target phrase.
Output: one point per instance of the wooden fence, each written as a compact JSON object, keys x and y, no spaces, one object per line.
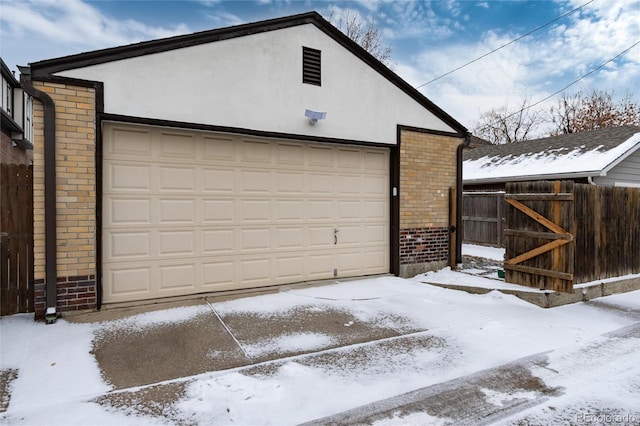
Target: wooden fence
{"x":483,"y":218}
{"x":608,"y":232}
{"x":559,"y":233}
{"x":16,"y":239}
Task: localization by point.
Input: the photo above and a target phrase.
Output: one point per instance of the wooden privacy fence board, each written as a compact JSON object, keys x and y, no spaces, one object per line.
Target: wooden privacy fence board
{"x":16,"y":239}
{"x":538,"y":251}
{"x":608,"y":221}
{"x":533,"y":260}
{"x":605,"y":223}
{"x":538,"y":217}
{"x":539,"y":197}
{"x":483,"y":218}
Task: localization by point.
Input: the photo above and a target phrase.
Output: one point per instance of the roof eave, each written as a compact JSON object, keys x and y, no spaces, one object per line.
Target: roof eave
{"x":94,"y":57}
{"x":560,"y":176}
{"x":620,"y":159}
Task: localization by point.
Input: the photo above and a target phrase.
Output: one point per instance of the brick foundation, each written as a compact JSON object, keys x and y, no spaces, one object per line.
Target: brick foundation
{"x":423,"y":245}
{"x":73,"y":294}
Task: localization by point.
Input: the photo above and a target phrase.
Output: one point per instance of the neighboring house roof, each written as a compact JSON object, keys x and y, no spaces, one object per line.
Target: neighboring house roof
{"x":477,"y":142}
{"x":574,"y":155}
{"x":47,"y":68}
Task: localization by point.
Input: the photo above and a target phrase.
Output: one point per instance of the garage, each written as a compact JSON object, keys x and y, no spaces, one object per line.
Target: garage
{"x":187,"y":212}
{"x":231,"y":159}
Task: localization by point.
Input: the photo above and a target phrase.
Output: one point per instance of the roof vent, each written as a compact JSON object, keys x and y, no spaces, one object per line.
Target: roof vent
{"x":311,"y":66}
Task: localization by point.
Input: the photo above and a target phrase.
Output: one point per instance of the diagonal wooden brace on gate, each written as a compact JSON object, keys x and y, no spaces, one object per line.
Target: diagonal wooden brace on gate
{"x":558,"y":234}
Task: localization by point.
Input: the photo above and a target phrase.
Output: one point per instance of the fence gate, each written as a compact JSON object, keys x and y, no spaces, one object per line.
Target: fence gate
{"x":539,"y":235}
{"x":16,"y":239}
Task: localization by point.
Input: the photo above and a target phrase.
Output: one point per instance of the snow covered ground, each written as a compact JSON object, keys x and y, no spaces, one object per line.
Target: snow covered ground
{"x":58,"y":378}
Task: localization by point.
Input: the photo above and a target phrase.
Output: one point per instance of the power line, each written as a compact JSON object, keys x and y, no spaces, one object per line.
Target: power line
{"x":506,"y":44}
{"x":575,"y":81}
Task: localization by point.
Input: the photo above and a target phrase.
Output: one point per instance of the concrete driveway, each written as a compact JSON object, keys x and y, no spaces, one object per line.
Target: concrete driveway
{"x":372,"y":351}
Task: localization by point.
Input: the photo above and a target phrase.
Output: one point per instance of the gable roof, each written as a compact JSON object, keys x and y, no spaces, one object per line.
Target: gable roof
{"x":591,"y":153}
{"x":46,"y":68}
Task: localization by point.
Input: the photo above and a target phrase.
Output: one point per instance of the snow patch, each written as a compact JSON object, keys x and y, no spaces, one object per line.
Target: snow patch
{"x":296,"y":342}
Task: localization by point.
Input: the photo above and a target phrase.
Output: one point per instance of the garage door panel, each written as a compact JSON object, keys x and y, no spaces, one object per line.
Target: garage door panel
{"x":174,"y":211}
{"x":289,"y":238}
{"x":255,"y":239}
{"x":320,"y":210}
{"x":376,"y":186}
{"x":127,"y":211}
{"x":290,"y":183}
{"x":220,"y":181}
{"x":127,"y":283}
{"x":256,"y":182}
{"x":321,"y":157}
{"x":321,"y":236}
{"x":180,"y":179}
{"x":290,"y":154}
{"x":174,"y":243}
{"x":218,"y":274}
{"x":123,"y":177}
{"x":288,"y":268}
{"x":321,"y":184}
{"x":182,"y":276}
{"x":257,"y":152}
{"x":350,"y":235}
{"x":350,"y":159}
{"x":349,"y":185}
{"x":375,"y":234}
{"x":129,"y":142}
{"x":128,"y":245}
{"x":348,"y":210}
{"x":376,"y":261}
{"x":186,"y":212}
{"x":289,"y":211}
{"x":255,"y":270}
{"x":219,"y":148}
{"x":349,"y":262}
{"x":177,"y":146}
{"x":256,"y":210}
{"x":218,"y":241}
{"x":376,"y":210}
{"x":321,"y":266}
{"x":376,"y":160}
{"x":218,"y":211}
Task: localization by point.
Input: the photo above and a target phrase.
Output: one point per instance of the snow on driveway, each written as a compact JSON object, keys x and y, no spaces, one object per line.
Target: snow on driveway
{"x":462,"y":333}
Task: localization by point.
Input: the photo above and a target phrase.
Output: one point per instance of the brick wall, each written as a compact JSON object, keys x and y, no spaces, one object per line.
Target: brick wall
{"x":427,"y":171}
{"x":73,"y":293}
{"x":76,"y":196}
{"x":10,"y":154}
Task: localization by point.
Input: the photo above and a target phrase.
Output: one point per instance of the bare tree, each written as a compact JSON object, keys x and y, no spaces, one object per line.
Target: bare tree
{"x":563,"y":116}
{"x":364,"y":32}
{"x":502,"y":125}
{"x":578,"y":113}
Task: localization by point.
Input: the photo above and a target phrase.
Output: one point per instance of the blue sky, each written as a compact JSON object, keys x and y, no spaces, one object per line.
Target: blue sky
{"x":428,"y":39}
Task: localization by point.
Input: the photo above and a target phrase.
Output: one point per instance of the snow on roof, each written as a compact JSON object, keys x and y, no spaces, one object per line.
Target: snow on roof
{"x":578,"y":154}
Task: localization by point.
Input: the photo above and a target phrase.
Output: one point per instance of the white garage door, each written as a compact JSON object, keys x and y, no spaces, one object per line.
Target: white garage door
{"x":186,"y":212}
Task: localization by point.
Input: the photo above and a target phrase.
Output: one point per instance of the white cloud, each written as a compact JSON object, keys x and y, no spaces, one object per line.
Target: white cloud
{"x":536,"y":66}
{"x":54,"y":27}
{"x":483,"y":4}
{"x":223,"y":19}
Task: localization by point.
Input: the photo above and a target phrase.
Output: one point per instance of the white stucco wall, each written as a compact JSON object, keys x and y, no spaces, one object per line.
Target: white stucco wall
{"x":255,"y":82}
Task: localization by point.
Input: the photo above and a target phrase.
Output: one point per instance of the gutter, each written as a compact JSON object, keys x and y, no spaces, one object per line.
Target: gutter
{"x":524,"y":178}
{"x":51,"y":276}
{"x":459,"y":159}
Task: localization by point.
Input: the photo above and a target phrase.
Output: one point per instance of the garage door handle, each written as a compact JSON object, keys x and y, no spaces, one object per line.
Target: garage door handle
{"x":335,"y":236}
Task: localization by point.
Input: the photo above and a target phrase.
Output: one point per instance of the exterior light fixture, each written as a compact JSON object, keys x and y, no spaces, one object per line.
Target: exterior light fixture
{"x":314,"y":116}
